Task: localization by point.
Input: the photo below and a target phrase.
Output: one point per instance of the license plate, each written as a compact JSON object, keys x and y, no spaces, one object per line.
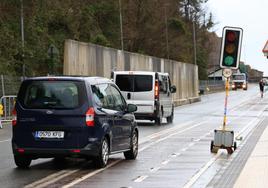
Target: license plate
{"x":49,"y":134}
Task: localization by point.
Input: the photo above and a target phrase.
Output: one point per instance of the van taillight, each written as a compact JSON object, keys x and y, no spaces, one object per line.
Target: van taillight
{"x":156,"y":90}
{"x":90,"y":117}
{"x":14,"y":118}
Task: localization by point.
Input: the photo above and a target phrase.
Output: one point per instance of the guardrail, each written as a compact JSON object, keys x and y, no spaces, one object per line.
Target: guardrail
{"x":7,"y":104}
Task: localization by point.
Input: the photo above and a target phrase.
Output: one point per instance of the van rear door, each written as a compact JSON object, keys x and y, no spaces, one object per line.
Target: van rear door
{"x":51,"y":114}
{"x":137,"y":88}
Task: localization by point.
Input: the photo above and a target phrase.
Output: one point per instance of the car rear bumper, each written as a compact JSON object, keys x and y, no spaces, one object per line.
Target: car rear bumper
{"x":91,"y":150}
{"x":149,"y":116}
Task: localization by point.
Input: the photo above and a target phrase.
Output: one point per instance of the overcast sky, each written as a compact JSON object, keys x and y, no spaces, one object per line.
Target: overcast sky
{"x":251,"y":16}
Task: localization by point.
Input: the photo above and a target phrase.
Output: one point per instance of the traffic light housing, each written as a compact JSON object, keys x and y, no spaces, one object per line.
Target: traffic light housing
{"x":231,"y":47}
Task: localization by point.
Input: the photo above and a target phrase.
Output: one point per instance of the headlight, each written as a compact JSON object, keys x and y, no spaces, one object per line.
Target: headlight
{"x":233,"y":86}
{"x":244,"y":85}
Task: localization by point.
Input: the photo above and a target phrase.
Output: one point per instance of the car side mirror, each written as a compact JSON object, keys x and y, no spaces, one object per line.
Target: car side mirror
{"x":173,"y":89}
{"x":131,"y":108}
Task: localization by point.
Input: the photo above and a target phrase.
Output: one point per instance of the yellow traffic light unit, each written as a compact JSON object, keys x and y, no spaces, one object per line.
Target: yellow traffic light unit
{"x":231,"y":47}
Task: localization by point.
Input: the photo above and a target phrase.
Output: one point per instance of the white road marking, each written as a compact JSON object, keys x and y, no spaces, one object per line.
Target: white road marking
{"x":90,"y":175}
{"x":191,"y":144}
{"x":168,"y":136}
{"x":201,"y":171}
{"x":140,"y":150}
{"x":140,"y":179}
{"x":155,"y":169}
{"x":165,"y":162}
{"x":208,"y":164}
{"x":8,"y":140}
{"x":160,"y":133}
{"x":155,"y":135}
{"x":175,"y":154}
{"x":50,"y":179}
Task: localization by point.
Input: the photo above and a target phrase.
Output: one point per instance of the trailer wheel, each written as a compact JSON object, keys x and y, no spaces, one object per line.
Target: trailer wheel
{"x":235,"y":146}
{"x":211,"y":146}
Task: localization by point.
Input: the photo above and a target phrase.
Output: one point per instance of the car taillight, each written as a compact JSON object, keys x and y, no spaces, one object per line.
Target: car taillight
{"x":90,"y":117}
{"x":20,"y":150}
{"x":76,"y":151}
{"x":156,"y":90}
{"x":14,"y":119}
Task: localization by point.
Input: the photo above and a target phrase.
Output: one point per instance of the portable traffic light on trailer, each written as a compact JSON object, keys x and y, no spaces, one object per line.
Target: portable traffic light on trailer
{"x":229,"y":59}
{"x":231,"y":47}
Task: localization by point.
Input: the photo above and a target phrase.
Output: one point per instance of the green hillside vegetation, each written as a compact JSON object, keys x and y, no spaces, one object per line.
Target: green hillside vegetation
{"x":146,"y":24}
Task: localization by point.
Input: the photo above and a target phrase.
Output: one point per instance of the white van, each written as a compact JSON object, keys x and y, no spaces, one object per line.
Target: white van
{"x":150,"y":91}
{"x":239,"y":80}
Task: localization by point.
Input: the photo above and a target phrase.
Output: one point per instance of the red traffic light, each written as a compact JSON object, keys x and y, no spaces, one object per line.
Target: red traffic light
{"x":230,"y":35}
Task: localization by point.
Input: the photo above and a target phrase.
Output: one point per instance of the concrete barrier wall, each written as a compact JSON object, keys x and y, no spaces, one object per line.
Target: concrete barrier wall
{"x":93,"y":60}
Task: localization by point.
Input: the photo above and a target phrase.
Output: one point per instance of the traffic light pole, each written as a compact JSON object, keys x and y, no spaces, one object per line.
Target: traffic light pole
{"x":225,"y":103}
{"x":223,"y":138}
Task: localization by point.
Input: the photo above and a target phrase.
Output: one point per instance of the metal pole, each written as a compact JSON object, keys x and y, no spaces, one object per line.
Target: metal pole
{"x":225,"y":104}
{"x":3,"y":85}
{"x":22,"y":37}
{"x":194,"y":41}
{"x":121,"y":26}
{"x":166,"y":32}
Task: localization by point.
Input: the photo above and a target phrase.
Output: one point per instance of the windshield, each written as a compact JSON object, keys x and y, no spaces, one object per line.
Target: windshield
{"x":238,"y":77}
{"x":52,"y":94}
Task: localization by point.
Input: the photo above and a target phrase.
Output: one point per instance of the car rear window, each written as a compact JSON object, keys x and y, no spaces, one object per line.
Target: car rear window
{"x":52,"y":94}
{"x":134,"y":83}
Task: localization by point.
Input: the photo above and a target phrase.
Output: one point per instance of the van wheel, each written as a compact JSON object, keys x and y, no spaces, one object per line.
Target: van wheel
{"x":158,"y":120}
{"x":22,"y":161}
{"x":102,"y":160}
{"x":133,"y":152}
{"x":171,"y":117}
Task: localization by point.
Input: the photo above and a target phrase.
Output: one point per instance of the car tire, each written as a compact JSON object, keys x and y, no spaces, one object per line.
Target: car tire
{"x":133,"y":152}
{"x":59,"y":161}
{"x":102,"y":159}
{"x":171,"y":117}
{"x":158,"y":120}
{"x":22,"y":161}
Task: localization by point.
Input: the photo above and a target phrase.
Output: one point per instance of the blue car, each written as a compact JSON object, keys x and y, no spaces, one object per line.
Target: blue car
{"x":58,"y":117}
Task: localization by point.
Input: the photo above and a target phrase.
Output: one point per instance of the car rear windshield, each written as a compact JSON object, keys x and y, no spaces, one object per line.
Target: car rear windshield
{"x":52,"y":94}
{"x":134,"y":83}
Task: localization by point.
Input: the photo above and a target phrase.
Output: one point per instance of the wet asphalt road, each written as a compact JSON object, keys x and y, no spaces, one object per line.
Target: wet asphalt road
{"x":171,"y":155}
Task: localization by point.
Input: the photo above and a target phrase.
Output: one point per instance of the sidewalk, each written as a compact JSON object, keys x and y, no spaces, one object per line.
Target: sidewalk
{"x":255,"y":172}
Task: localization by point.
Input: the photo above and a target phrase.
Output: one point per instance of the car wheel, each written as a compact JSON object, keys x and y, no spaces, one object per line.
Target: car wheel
{"x":59,"y":161}
{"x":171,"y":117}
{"x":133,"y":152}
{"x":102,"y":160}
{"x":22,"y":161}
